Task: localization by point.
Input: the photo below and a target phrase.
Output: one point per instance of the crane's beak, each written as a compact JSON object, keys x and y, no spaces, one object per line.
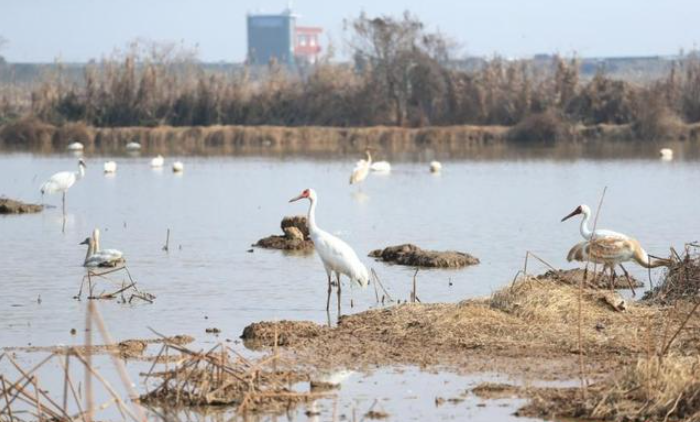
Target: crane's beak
{"x":296,"y":198}
{"x":85,"y":242}
{"x":577,"y":211}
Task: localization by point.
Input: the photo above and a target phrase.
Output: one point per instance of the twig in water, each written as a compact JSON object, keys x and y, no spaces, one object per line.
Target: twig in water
{"x":166,"y":248}
{"x":413,"y":293}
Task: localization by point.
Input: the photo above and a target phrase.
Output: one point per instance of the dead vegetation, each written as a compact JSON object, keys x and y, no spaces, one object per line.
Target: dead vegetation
{"x":682,"y":279}
{"x":295,"y":238}
{"x":220,"y":376}
{"x":593,"y":280}
{"x":10,"y":206}
{"x":412,"y":255}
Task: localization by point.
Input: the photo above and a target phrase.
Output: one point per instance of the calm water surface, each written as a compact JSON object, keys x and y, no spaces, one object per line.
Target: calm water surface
{"x":494,"y":209}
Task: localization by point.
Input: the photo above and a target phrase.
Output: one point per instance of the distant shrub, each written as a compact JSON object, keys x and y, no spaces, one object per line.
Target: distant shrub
{"x":547,"y":127}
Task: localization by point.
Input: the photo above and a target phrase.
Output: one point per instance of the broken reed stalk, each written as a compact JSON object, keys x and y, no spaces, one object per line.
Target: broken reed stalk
{"x":166,"y":248}
{"x":377,"y":280}
{"x":7,"y":398}
{"x":89,"y":400}
{"x":413,"y":293}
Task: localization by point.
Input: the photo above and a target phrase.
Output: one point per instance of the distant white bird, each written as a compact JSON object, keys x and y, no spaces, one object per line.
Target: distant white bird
{"x":178,"y":167}
{"x":110,"y":167}
{"x":435,"y":167}
{"x":157,"y":161}
{"x":62,"y":181}
{"x":381,"y":167}
{"x":361,"y":170}
{"x":337,"y":256}
{"x":666,"y":154}
{"x":95,"y":258}
{"x":108,"y":252}
{"x":75,"y":146}
{"x":133,"y":146}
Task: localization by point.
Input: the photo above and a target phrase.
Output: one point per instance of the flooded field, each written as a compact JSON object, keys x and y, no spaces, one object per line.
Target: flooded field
{"x":494,"y":209}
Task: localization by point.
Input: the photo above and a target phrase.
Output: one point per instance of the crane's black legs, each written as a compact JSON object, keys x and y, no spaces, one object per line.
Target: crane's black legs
{"x":629,"y":282}
{"x":328,"y":299}
{"x":337,"y":277}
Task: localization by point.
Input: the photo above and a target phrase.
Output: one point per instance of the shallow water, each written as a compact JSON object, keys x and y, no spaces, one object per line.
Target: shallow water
{"x":493,"y":209}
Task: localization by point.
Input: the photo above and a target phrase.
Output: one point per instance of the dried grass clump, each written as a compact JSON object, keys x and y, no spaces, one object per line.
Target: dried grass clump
{"x":222,"y":377}
{"x":654,"y":389}
{"x":547,"y":127}
{"x":681,"y":281}
{"x":10,"y":206}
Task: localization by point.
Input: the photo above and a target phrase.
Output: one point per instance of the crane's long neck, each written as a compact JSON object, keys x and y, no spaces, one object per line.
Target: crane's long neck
{"x":96,"y":239}
{"x":311,"y":219}
{"x":585,"y":230}
{"x":80,"y":173}
{"x":369,"y":158}
{"x":90,"y":250}
{"x":642,"y":258}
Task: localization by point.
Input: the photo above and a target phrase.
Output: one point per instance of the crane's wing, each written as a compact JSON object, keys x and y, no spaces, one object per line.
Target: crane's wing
{"x":59,"y":182}
{"x":340,"y":256}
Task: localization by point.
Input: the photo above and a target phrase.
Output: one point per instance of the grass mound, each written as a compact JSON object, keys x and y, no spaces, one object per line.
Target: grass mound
{"x":412,"y":255}
{"x":682,"y":279}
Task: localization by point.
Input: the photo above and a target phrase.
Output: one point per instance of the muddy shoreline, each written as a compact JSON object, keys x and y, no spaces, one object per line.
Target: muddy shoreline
{"x":310,"y":140}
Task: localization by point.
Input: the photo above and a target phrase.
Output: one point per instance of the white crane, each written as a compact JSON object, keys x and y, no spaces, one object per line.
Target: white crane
{"x":361,"y":170}
{"x":110,"y":167}
{"x":97,"y":258}
{"x":178,"y":167}
{"x":133,"y":146}
{"x":608,"y":247}
{"x":435,"y":167}
{"x":62,"y":181}
{"x":157,"y":161}
{"x":666,"y":154}
{"x":337,"y":256}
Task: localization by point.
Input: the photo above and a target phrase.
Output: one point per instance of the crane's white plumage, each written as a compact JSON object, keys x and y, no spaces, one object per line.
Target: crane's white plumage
{"x":586,"y":232}
{"x":361,"y":170}
{"x":110,"y":167}
{"x":435,"y":167}
{"x":336,"y":255}
{"x":62,"y":181}
{"x":178,"y":167}
{"x":157,"y":161}
{"x":381,"y":167}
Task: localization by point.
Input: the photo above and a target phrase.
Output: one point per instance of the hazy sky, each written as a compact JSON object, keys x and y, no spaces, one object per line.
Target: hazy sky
{"x":78,"y":30}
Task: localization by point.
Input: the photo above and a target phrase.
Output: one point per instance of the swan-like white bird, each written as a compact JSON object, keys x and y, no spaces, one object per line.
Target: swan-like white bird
{"x":178,"y":167}
{"x":110,"y":167}
{"x":336,"y":255}
{"x":75,"y":146}
{"x":381,"y":167}
{"x":133,"y":146}
{"x":361,"y":170}
{"x":157,"y":161}
{"x":62,"y":181}
{"x":95,"y":258}
{"x":666,"y":154}
{"x":435,"y":167}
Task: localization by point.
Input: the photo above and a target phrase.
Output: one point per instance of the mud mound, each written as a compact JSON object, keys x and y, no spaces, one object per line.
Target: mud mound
{"x":286,"y":333}
{"x":681,"y":281}
{"x":532,"y":325}
{"x":295,"y":238}
{"x":10,"y":206}
{"x":414,"y":256}
{"x":593,"y":280}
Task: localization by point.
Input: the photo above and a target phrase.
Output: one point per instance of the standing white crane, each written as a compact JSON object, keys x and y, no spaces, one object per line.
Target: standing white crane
{"x":62,"y":181}
{"x":361,"y":170}
{"x":608,"y":248}
{"x":337,"y":256}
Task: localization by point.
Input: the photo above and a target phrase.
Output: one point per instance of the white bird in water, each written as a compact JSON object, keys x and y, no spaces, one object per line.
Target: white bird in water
{"x":157,"y":161}
{"x":100,"y":258}
{"x":381,"y":167}
{"x":133,"y":146}
{"x":75,"y":146}
{"x":666,"y":154}
{"x":337,"y":256}
{"x":435,"y":167}
{"x":110,"y":167}
{"x":178,"y":167}
{"x":361,"y":170}
{"x":62,"y":181}
{"x":608,"y":248}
